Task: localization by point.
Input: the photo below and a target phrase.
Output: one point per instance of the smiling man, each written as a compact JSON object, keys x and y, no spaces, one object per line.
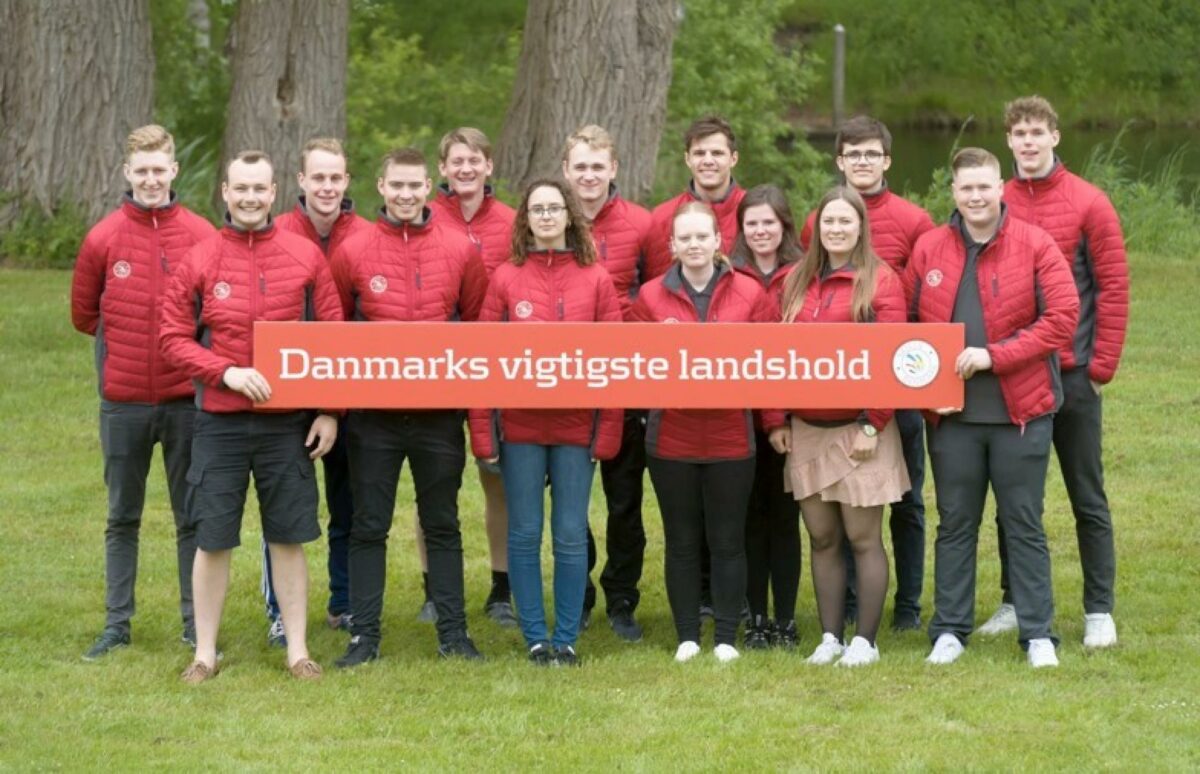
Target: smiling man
{"x":710,"y":153}
{"x":1007,"y":283}
{"x":116,"y":293}
{"x":1086,"y":227}
{"x":248,"y":272}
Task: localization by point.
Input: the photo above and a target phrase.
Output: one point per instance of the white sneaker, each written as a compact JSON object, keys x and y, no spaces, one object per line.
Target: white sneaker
{"x":725,"y":652}
{"x":946,"y":650}
{"x":1099,"y":630}
{"x":1041,"y":653}
{"x":829,"y":649}
{"x":687,"y":651}
{"x":858,"y":653}
{"x":1003,"y":620}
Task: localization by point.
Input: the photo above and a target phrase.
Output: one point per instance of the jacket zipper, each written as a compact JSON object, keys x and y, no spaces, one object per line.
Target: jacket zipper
{"x":156,"y":283}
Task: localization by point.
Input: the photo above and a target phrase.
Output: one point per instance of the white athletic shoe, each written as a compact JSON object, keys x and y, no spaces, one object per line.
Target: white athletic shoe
{"x":829,"y":649}
{"x":1099,"y":630}
{"x":1003,"y":620}
{"x":687,"y":651}
{"x":725,"y":652}
{"x":858,"y":653}
{"x":946,"y":650}
{"x":1041,"y":653}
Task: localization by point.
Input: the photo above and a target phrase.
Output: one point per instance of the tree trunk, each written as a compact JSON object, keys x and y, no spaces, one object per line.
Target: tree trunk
{"x":288,"y":64}
{"x":78,"y":75}
{"x":606,"y":62}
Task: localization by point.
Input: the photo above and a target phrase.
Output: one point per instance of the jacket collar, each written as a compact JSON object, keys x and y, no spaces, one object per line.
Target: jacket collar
{"x":673,"y":280}
{"x":141,"y":212}
{"x":733,"y":187}
{"x":549,"y":258}
{"x":451,"y":199}
{"x":960,"y":226}
{"x":1048,"y":180}
{"x":386,"y":222}
{"x":238,"y":234}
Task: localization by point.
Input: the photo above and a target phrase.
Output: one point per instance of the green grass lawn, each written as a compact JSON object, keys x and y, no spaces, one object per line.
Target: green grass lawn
{"x":630,"y":706}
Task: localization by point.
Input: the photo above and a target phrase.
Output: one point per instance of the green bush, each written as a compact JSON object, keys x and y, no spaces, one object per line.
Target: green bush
{"x":35,"y":240}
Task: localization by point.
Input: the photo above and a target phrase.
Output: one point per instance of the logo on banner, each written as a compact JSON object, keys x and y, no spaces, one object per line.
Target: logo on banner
{"x":122,"y":269}
{"x":222,"y":291}
{"x":378,"y":283}
{"x":916,"y":362}
{"x":671,"y":320}
{"x":934,"y":278}
{"x":524,"y":309}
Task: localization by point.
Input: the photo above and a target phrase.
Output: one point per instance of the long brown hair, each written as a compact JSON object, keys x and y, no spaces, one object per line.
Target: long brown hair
{"x":816,"y":261}
{"x":789,"y":247}
{"x":578,"y":236}
{"x":701,"y":207}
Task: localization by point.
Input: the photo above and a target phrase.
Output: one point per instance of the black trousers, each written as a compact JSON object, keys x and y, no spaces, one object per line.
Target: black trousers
{"x":773,"y":557}
{"x":1077,"y":443}
{"x":698,"y":501}
{"x":967,"y":458}
{"x":625,"y":534}
{"x":378,"y":443}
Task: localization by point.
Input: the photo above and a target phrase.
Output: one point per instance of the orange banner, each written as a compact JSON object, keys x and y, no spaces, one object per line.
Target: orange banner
{"x":608,"y":365}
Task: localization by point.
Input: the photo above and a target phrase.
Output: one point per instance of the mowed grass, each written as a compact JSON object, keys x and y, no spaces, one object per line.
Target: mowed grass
{"x":630,"y":706}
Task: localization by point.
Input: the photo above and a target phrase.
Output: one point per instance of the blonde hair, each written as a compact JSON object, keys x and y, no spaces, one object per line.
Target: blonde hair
{"x":468,"y":136}
{"x":595,"y":137}
{"x":327,"y":144}
{"x":148,"y":139}
{"x":687,"y":208}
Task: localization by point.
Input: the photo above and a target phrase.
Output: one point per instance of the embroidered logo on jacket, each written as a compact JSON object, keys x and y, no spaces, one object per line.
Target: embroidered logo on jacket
{"x":934,"y":278}
{"x":524,"y":309}
{"x":222,"y":291}
{"x":122,"y":269}
{"x":378,"y":283}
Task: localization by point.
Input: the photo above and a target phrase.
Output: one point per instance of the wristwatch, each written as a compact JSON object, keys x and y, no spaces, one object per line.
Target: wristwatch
{"x":869,"y":430}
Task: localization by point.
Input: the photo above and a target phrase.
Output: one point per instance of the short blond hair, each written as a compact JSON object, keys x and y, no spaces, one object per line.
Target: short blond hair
{"x":327,"y":144}
{"x":149,"y":139}
{"x":1031,"y":108}
{"x":970,"y":158}
{"x":468,"y":136}
{"x":595,"y":137}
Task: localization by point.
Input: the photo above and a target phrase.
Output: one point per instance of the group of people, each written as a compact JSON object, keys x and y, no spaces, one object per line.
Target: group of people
{"x":1033,"y":268}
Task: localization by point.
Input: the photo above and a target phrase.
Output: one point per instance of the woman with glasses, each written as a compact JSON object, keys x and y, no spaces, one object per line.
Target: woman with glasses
{"x":551,"y":276}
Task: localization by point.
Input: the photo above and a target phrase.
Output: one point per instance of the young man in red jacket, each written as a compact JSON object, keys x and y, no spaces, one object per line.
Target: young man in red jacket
{"x":120,"y":276}
{"x":1007,"y":283}
{"x":467,"y":204}
{"x":1084,"y":224}
{"x":324,"y":216}
{"x":407,"y":268}
{"x":250,"y":271}
{"x":710,"y":152}
{"x":864,"y":154}
{"x":619,"y":228}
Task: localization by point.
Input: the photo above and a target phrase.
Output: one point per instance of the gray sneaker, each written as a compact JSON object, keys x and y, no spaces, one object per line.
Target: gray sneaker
{"x":109,"y":640}
{"x":501,"y":611}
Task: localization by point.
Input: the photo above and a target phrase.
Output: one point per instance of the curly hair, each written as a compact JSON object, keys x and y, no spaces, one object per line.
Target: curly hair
{"x":579,"y":235}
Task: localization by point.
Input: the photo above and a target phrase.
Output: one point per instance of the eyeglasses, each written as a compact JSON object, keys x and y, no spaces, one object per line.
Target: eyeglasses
{"x":548,"y":211}
{"x":871,"y":156}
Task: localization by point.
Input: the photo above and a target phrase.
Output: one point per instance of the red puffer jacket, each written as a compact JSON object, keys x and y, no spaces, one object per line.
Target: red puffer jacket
{"x":829,"y":300}
{"x":1028,"y":298}
{"x":120,"y":277}
{"x":549,"y":287}
{"x":224,"y":285}
{"x":702,"y":435}
{"x":490,"y":230}
{"x":619,"y":231}
{"x":1086,"y":227}
{"x":657,"y":249}
{"x":348,"y":224}
{"x":772,"y":285}
{"x":895,"y":222}
{"x":422,"y":273}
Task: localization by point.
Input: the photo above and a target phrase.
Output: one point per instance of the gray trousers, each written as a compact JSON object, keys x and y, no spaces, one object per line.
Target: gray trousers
{"x":967,"y":458}
{"x":128,"y":433}
{"x":1077,"y":443}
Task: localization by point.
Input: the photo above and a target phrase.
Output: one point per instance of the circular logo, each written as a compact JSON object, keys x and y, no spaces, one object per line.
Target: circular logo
{"x":671,"y":320}
{"x":122,"y":269}
{"x":524,"y":309}
{"x":222,"y":291}
{"x":915,"y":363}
{"x":934,"y":278}
{"x":378,"y":283}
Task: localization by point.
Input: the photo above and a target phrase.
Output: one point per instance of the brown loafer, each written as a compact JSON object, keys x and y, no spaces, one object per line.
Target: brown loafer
{"x":197,"y":672}
{"x":305,"y":669}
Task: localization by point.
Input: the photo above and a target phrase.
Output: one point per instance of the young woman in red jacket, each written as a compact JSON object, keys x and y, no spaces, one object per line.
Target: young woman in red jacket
{"x":552,"y":276}
{"x":766,"y":249}
{"x":843,"y":465}
{"x":702,"y":461}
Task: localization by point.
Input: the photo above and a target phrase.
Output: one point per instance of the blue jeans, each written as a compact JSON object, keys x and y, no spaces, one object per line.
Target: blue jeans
{"x":525,"y":468}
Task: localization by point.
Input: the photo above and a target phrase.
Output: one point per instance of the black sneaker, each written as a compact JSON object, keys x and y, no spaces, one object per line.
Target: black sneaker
{"x":786,"y":636}
{"x":462,"y":647}
{"x":109,"y":640}
{"x":360,"y":651}
{"x":541,"y":654}
{"x":758,"y":634}
{"x":501,"y":611}
{"x":624,"y":624}
{"x":567,"y":657}
{"x":906,"y":621}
